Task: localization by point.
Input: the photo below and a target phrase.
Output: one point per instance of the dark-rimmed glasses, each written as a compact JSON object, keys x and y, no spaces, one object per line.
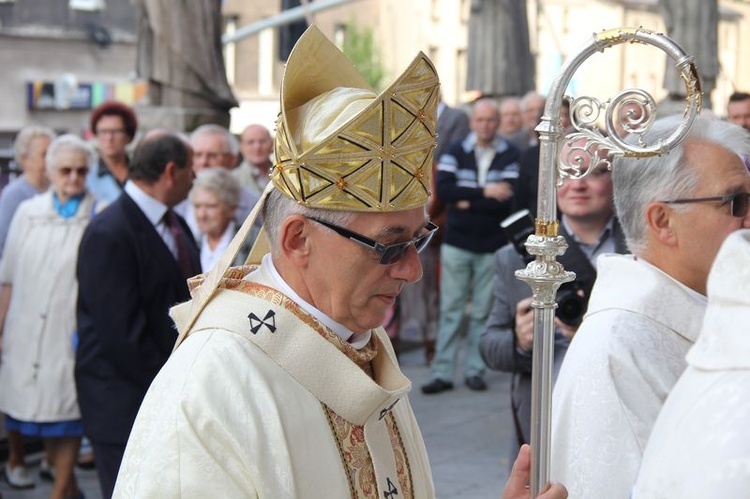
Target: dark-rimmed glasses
{"x":738,"y":202}
{"x":389,"y":253}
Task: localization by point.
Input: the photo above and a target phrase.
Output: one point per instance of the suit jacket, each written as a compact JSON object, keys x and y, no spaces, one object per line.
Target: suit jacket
{"x":527,"y":188}
{"x":128,"y":279}
{"x":498,"y":342}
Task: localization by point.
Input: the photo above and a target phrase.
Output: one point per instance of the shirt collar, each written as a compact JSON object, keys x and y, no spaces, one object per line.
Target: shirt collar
{"x":607,"y":230}
{"x":150,"y":206}
{"x":690,"y":291}
{"x":101,"y":169}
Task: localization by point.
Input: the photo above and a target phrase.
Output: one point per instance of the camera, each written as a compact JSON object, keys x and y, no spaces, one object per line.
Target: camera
{"x":571,"y":298}
{"x":571,"y":304}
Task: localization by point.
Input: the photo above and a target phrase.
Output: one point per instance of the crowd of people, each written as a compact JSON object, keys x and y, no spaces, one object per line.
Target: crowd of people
{"x":84,"y":318}
{"x":99,"y":241}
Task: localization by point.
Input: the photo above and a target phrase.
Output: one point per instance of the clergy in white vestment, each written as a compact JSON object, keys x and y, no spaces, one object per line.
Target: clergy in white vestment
{"x":282,"y":383}
{"x":646,"y":309}
{"x":700,"y":444}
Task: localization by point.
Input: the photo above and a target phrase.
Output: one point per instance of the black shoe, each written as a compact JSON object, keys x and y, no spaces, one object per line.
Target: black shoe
{"x":476,"y":383}
{"x":437,"y":385}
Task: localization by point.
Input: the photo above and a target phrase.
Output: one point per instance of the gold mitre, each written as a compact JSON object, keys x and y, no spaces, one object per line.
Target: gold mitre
{"x":339,"y":146}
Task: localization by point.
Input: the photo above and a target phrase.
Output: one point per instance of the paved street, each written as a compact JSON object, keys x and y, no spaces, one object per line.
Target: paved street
{"x":466,"y":433}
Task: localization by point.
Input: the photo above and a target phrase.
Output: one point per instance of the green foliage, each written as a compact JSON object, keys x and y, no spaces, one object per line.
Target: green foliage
{"x":359,"y":46}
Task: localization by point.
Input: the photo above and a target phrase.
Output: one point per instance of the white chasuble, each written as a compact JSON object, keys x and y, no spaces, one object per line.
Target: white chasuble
{"x":262,"y":400}
{"x":620,"y":366}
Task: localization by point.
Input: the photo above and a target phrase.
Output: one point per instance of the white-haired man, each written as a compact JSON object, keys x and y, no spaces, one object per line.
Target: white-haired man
{"x":215,"y":147}
{"x":646,"y":309}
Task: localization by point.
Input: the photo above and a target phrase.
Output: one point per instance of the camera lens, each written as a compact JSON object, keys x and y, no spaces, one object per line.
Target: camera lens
{"x":570,"y":306}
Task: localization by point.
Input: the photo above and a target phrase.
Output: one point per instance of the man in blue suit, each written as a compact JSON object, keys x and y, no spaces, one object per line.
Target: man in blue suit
{"x":133,"y":261}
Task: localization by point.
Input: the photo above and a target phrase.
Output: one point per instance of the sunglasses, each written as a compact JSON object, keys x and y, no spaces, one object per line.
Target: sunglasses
{"x":66,"y":171}
{"x":738,"y":203}
{"x":388,"y":253}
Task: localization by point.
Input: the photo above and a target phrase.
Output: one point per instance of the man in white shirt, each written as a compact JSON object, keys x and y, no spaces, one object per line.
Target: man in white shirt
{"x":133,"y":261}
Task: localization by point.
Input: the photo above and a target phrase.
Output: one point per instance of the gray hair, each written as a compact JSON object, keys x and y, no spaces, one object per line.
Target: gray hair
{"x":231,"y":144}
{"x":639,"y":182}
{"x":67,"y":142}
{"x":221,"y":183}
{"x":22,"y":142}
{"x":278,"y":207}
{"x":487,"y":101}
{"x":512,"y":100}
{"x":529,"y":96}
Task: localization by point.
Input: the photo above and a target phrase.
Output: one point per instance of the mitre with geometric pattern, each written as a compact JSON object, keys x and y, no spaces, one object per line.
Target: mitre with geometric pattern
{"x":339,"y":146}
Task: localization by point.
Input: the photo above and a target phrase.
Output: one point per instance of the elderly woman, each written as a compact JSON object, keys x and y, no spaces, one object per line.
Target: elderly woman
{"x":37,"y":311}
{"x":29,"y":148}
{"x":214,"y":197}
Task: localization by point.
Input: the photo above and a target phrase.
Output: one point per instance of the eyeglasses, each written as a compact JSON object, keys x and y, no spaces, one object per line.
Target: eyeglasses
{"x":738,"y":202}
{"x":389,"y":253}
{"x":113,"y":133}
{"x":65,"y":171}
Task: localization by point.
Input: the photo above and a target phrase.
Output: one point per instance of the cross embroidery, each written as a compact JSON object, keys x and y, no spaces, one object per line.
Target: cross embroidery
{"x":387,"y":410}
{"x":392,"y":490}
{"x":256,"y":322}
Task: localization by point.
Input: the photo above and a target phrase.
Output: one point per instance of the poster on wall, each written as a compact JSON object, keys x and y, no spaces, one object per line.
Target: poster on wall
{"x":66,"y":94}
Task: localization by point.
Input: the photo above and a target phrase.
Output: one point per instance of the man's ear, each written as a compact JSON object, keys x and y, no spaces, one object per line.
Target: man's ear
{"x":660,"y":223}
{"x":170,"y":169}
{"x":295,"y":239}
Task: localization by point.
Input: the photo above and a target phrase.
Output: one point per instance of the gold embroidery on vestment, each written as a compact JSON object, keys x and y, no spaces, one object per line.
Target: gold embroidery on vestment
{"x":350,"y":438}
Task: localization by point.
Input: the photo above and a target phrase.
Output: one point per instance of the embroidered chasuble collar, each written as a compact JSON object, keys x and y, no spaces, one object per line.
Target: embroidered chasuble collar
{"x":367,"y":397}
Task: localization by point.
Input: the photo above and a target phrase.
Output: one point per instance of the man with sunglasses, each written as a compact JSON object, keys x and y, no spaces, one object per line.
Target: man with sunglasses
{"x":646,"y":309}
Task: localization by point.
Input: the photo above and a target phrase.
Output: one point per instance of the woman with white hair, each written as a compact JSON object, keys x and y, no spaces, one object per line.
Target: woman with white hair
{"x":214,"y":197}
{"x":38,"y":311}
{"x":29,"y":150}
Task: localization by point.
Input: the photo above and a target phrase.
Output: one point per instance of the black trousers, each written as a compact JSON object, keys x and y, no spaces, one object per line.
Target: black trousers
{"x":108,"y":458}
